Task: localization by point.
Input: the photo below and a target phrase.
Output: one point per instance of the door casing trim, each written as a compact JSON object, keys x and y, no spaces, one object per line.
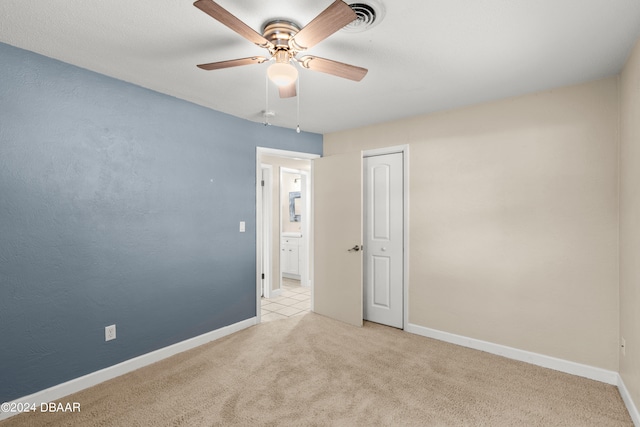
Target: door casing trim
{"x":265,"y":217}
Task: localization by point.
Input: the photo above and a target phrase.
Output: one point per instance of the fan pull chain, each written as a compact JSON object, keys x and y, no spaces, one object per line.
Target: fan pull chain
{"x":266,"y":99}
{"x":298,"y":104}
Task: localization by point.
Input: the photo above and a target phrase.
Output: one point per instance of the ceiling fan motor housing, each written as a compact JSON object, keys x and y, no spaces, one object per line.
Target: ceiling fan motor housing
{"x":279,"y":32}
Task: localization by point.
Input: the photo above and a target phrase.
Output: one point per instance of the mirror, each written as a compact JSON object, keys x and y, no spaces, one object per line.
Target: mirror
{"x":295,"y":206}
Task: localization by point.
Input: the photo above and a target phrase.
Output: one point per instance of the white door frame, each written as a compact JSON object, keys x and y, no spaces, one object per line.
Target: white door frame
{"x":266,"y":259}
{"x":404,"y":149}
{"x":305,"y":275}
{"x":260,"y":151}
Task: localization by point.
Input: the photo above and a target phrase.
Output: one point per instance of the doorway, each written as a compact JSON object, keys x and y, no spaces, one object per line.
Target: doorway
{"x":288,"y":204}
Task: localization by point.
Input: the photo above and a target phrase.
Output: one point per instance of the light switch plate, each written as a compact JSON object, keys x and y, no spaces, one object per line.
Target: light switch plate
{"x":242,"y":226}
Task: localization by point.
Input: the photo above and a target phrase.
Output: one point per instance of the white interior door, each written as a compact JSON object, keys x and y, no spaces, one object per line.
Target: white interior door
{"x":337,"y":204}
{"x":383,"y":239}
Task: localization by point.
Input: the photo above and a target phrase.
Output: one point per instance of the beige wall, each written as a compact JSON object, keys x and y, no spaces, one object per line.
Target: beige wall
{"x":277,"y":163}
{"x":514,"y":220}
{"x":630,"y":223}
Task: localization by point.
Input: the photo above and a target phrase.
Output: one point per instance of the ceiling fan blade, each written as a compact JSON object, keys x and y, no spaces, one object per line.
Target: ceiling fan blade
{"x":322,"y":26}
{"x":336,"y":68}
{"x":223,"y":16}
{"x":288,"y":91}
{"x":233,"y":63}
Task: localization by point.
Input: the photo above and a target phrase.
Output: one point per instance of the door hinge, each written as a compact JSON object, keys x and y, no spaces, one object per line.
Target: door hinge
{"x":262,"y":183}
{"x":262,"y":276}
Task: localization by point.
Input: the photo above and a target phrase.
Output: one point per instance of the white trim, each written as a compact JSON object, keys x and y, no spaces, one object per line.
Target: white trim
{"x":385,"y":150}
{"x":626,"y":397}
{"x":304,"y":242}
{"x":404,"y":149}
{"x":259,"y":234}
{"x":73,"y":386}
{"x":586,"y":371}
{"x":405,"y":165}
{"x":266,"y":230}
{"x":275,"y":293}
{"x":311,"y":242}
{"x":285,"y":153}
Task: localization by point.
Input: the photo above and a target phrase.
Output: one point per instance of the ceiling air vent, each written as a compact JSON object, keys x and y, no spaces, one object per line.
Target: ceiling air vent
{"x":369,"y":13}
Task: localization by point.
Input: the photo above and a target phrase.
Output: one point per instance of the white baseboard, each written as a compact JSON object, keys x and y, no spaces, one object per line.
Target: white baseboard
{"x":61,"y":390}
{"x":275,"y":293}
{"x":586,"y":371}
{"x":626,"y":397}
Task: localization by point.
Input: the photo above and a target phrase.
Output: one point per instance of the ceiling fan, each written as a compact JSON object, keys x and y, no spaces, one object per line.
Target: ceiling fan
{"x":284,"y":40}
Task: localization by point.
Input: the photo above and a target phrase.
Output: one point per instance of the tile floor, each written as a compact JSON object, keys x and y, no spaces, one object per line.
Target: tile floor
{"x":294,"y":300}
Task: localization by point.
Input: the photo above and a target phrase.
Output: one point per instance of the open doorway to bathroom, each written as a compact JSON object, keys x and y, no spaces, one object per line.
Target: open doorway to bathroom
{"x":284,"y":238}
{"x":293,"y":296}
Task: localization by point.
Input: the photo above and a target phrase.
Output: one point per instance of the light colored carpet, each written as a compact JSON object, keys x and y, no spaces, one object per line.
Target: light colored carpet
{"x":310,"y":370}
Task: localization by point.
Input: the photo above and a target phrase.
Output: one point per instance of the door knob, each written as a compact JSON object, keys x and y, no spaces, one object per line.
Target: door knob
{"x":356,"y":248}
{"x":383,"y":249}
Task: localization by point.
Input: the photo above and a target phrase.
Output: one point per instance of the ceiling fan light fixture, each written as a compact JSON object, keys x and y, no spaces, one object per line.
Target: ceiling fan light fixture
{"x":282,"y":72}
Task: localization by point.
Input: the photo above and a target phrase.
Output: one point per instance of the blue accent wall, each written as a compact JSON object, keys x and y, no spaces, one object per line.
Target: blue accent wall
{"x":117,"y":205}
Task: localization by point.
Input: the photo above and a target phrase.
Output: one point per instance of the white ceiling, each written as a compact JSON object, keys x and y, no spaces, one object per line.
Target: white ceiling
{"x":424,"y":56}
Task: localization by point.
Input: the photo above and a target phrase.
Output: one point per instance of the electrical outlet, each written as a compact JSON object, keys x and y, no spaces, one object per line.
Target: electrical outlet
{"x":623,"y":346}
{"x":110,"y":333}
